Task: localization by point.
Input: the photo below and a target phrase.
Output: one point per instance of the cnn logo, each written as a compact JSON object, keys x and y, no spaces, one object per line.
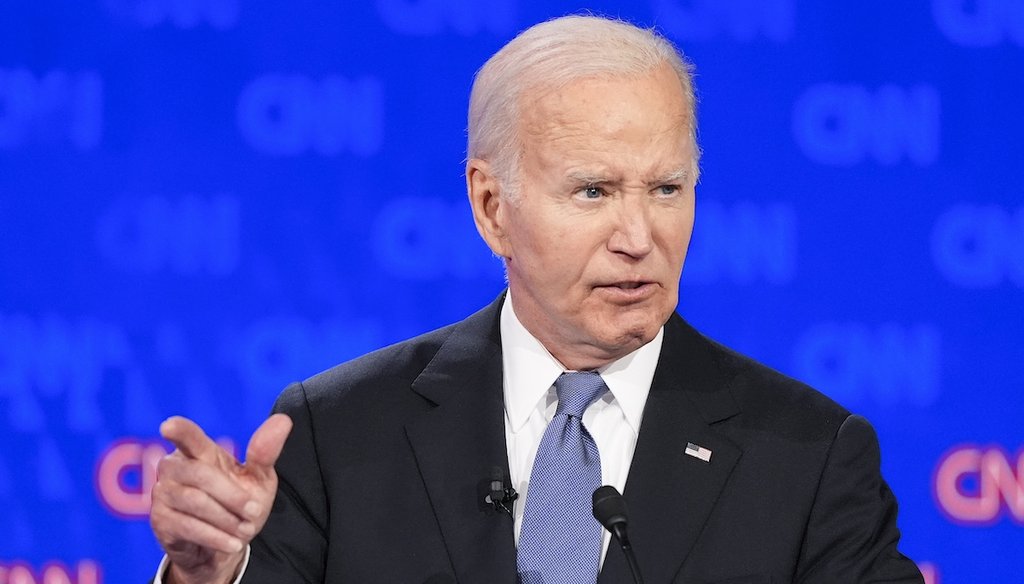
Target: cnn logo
{"x":975,"y":486}
{"x":85,"y":572}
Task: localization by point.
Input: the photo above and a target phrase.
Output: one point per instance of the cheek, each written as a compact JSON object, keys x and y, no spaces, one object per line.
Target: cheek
{"x":674,"y":235}
{"x":542,"y":253}
{"x":561,"y":247}
{"x":537,"y":244}
{"x":682,"y":244}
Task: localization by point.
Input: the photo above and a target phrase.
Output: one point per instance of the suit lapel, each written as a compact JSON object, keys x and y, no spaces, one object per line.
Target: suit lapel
{"x":670,"y":493}
{"x":460,"y":444}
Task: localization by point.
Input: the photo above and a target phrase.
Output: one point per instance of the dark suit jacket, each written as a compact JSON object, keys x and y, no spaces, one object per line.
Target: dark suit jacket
{"x":382,"y":477}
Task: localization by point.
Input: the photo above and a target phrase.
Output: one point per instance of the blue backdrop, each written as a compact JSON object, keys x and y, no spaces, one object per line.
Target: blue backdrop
{"x":202,"y":200}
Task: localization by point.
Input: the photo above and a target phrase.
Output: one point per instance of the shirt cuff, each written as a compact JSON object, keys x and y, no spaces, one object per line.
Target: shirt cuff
{"x":165,"y":563}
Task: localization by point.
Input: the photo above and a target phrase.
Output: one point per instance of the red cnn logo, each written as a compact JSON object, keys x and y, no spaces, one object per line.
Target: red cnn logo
{"x":85,"y":572}
{"x":930,"y":572}
{"x":973,"y":486}
{"x":126,"y":474}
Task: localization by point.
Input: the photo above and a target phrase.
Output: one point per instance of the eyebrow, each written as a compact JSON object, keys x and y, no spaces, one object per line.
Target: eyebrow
{"x":678,"y":175}
{"x":587,"y":178}
{"x":582,"y":177}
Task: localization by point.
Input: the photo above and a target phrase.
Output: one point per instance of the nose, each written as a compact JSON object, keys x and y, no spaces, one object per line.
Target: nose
{"x":632,"y":235}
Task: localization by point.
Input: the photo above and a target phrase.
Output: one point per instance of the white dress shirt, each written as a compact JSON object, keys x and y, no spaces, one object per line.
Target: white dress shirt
{"x":529,"y":374}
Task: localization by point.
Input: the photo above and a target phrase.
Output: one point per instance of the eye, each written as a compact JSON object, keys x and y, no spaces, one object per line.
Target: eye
{"x":667,"y":190}
{"x":591,"y":192}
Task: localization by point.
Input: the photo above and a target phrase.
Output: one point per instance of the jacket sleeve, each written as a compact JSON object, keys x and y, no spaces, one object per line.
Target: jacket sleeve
{"x":292,"y":546}
{"x":851,"y":533}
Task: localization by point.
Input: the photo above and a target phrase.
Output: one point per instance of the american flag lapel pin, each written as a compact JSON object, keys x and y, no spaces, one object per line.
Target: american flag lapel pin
{"x":698,"y":452}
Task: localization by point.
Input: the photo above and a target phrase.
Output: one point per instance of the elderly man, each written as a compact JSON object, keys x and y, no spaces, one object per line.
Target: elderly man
{"x":401,"y":465}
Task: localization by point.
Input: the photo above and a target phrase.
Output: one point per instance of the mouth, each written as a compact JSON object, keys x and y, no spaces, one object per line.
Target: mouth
{"x":626,"y":284}
{"x":628,"y":291}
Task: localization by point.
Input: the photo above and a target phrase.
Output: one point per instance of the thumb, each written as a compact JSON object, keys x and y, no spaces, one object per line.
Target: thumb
{"x":266,"y":443}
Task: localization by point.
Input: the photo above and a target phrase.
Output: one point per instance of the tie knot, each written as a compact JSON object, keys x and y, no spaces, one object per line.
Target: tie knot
{"x":577,"y":390}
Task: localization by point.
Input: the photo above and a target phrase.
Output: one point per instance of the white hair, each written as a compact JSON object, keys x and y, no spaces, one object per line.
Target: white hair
{"x":548,"y":56}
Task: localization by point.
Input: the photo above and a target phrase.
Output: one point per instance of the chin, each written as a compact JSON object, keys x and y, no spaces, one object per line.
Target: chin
{"x":642,"y":323}
{"x":626,"y":339}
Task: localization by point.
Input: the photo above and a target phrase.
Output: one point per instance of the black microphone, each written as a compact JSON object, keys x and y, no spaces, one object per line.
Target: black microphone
{"x":610,"y":511}
{"x":499,"y":493}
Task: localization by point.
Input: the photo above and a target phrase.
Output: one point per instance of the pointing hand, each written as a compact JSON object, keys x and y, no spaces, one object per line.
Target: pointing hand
{"x":206,"y":505}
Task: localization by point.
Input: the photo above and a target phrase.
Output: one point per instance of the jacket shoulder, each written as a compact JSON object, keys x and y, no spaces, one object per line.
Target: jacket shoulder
{"x":383,"y":377}
{"x":402,"y":360}
{"x":767,"y":398}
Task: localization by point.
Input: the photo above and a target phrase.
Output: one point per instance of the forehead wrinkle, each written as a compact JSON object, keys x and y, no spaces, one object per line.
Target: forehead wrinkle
{"x":559,"y":136}
{"x":594,"y":164}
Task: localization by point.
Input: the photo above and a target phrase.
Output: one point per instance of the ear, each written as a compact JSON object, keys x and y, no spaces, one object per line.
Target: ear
{"x":490,"y":209}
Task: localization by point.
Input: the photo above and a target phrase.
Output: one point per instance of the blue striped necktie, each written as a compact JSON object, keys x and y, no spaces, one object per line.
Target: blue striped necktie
{"x":560,"y":541}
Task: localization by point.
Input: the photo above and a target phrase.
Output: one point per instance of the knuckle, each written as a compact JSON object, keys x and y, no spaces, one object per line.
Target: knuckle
{"x":194,"y":500}
{"x":185,"y":499}
{"x":165,"y":465}
{"x":171,"y":466}
{"x":162,"y":495}
{"x":239,"y":498}
{"x":157,"y":520}
{"x":190,"y":530}
{"x":187,"y":533}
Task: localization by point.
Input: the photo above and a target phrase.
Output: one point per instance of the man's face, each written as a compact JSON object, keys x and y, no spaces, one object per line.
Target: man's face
{"x":595,"y":243}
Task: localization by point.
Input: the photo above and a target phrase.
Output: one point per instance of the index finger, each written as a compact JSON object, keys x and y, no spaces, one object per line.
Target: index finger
{"x":189,"y":438}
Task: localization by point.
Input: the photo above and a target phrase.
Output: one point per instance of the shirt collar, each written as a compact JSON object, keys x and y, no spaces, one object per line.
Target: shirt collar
{"x":529,"y":372}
